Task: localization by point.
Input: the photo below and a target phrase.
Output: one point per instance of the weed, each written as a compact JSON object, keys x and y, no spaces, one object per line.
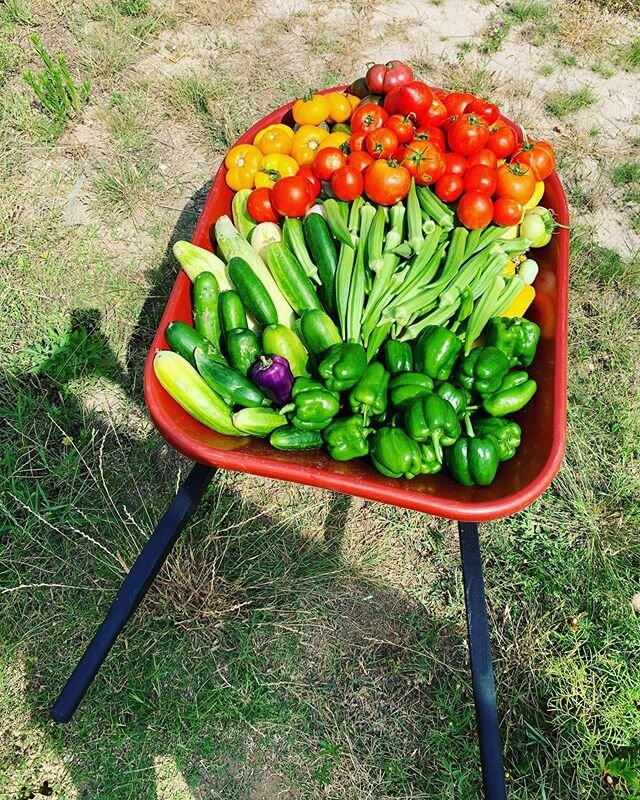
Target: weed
{"x":546,"y":70}
{"x":493,"y":36}
{"x":133,"y":8}
{"x":125,"y":187}
{"x":528,"y":11}
{"x":629,"y":56}
{"x":16,"y":12}
{"x":561,"y":103}
{"x":54,"y":85}
{"x":603,"y":68}
{"x":627,"y":174}
{"x":566,"y":59}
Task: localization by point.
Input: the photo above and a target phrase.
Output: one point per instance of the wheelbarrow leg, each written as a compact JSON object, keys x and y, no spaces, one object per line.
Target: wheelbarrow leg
{"x":133,"y":589}
{"x":484,"y":690}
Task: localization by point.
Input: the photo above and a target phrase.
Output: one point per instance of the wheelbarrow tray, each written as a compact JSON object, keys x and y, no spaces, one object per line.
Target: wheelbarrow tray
{"x":519,"y":481}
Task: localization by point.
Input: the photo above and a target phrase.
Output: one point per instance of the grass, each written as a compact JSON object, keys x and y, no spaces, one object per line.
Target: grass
{"x":561,"y":103}
{"x":629,"y":56}
{"x":297,"y":643}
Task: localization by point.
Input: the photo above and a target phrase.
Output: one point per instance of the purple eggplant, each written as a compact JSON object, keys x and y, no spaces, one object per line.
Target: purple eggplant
{"x":273,"y":375}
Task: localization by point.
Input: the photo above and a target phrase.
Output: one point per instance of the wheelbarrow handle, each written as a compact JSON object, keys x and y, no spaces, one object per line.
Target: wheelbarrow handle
{"x":133,"y":589}
{"x":484,"y":690}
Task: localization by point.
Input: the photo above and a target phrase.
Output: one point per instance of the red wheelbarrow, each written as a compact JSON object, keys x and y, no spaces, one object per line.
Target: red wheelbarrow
{"x":518,"y":483}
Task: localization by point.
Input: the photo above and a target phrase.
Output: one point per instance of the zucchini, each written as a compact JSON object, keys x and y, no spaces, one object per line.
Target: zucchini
{"x":318,"y":331}
{"x":233,"y":388}
{"x":242,"y":220}
{"x":294,"y":239}
{"x":254,"y":296}
{"x":232,"y":313}
{"x":183,"y":339}
{"x":325,"y":256}
{"x":291,"y":278}
{"x":189,"y":390}
{"x":194,"y":260}
{"x":205,"y":307}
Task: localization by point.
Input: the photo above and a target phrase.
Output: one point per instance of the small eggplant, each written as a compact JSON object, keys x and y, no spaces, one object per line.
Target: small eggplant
{"x":273,"y":375}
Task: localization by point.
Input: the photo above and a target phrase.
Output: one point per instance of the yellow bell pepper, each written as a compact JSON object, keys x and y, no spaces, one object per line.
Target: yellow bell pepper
{"x":273,"y":167}
{"x":336,"y":139}
{"x":339,"y":107}
{"x":276,"y":126}
{"x":312,"y":109}
{"x":510,"y":269}
{"x":536,"y":197}
{"x":521,"y":303}
{"x":242,"y":164}
{"x":354,"y":101}
{"x":275,"y":141}
{"x":306,"y":142}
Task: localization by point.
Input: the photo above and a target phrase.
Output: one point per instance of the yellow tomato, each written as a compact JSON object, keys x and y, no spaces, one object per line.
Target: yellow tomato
{"x":335,"y":139}
{"x":276,"y":126}
{"x":275,"y":141}
{"x":243,"y":155}
{"x":339,"y":107}
{"x":536,"y":197}
{"x":241,"y":178}
{"x":273,"y":167}
{"x":311,"y":109}
{"x":306,"y":142}
{"x":353,"y":100}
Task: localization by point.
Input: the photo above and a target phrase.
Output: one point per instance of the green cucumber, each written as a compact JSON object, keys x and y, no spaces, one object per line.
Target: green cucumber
{"x":291,"y":438}
{"x":281,"y":341}
{"x":232,"y":313}
{"x":291,"y":278}
{"x":243,"y":349}
{"x":318,"y":331}
{"x":206,"y":292}
{"x":242,"y":220}
{"x":189,"y":390}
{"x":258,"y":421}
{"x":183,"y":339}
{"x":233,"y":388}
{"x":254,"y":296}
{"x":325,"y":256}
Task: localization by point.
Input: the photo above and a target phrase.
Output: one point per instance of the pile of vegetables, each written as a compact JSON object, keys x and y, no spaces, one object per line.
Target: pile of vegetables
{"x":368,"y":293}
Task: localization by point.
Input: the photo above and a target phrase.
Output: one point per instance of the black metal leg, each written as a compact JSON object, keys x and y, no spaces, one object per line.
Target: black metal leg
{"x":484,"y":690}
{"x":133,"y":589}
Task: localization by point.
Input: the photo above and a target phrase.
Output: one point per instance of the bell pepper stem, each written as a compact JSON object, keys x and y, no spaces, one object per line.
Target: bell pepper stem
{"x":435,"y":440}
{"x":288,"y":408}
{"x":467,"y":423}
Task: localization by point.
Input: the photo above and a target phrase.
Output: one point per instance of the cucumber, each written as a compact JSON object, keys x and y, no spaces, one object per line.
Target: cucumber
{"x":291,"y":438}
{"x":258,"y":421}
{"x":205,"y":307}
{"x":189,"y":390}
{"x":291,"y":278}
{"x":242,"y":220}
{"x":325,"y":256}
{"x":318,"y":331}
{"x":243,"y":349}
{"x":232,"y":313}
{"x":194,"y":260}
{"x":183,"y":339}
{"x":233,"y":388}
{"x":254,"y":296}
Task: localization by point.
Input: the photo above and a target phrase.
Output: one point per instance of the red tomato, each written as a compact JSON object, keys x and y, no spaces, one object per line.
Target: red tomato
{"x":480,"y":178}
{"x":356,"y":142}
{"x":546,"y":146}
{"x":381,"y":78}
{"x":368,"y":117}
{"x":327,"y":161}
{"x":435,"y":114}
{"x":291,"y":196}
{"x":432,"y":134}
{"x":424,"y":162}
{"x":414,"y":97}
{"x":483,"y":156}
{"x":475,"y":210}
{"x":467,"y":134}
{"x":402,"y":126}
{"x":515,"y":181}
{"x":507,"y":212}
{"x":259,"y":206}
{"x":310,"y":176}
{"x":449,"y":187}
{"x":456,"y":102}
{"x":360,"y":160}
{"x":398,"y":153}
{"x":391,"y":101}
{"x":456,"y":163}
{"x":385,"y":183}
{"x":537,"y":158}
{"x":347,"y":183}
{"x":502,"y":140}
{"x":381,"y":143}
{"x":375,"y":78}
{"x":483,"y":109}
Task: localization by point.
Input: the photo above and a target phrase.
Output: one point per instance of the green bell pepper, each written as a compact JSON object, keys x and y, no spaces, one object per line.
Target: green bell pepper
{"x":459,"y":398}
{"x":397,"y":356}
{"x":290,"y":438}
{"x":516,"y":337}
{"x":406,"y":386}
{"x":473,"y":460}
{"x":432,"y":418}
{"x":436,"y":352}
{"x":506,"y":434}
{"x":395,"y":455}
{"x":482,"y":370}
{"x":347,"y":438}
{"x":514,"y":392}
{"x":369,"y":395}
{"x":430,"y":461}
{"x":343,"y":365}
{"x":314,"y":405}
